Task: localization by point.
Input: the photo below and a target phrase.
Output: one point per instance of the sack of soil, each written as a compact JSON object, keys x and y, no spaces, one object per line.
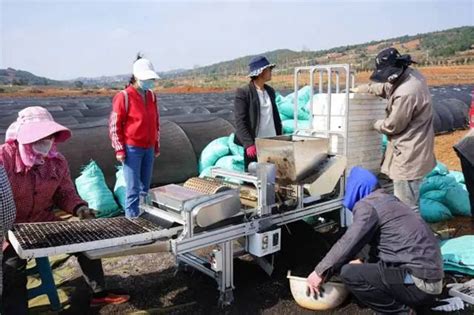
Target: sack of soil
{"x":92,"y":188}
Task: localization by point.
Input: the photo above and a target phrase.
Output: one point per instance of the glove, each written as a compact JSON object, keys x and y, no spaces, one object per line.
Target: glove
{"x":85,"y":213}
{"x":251,"y":151}
{"x":449,"y":305}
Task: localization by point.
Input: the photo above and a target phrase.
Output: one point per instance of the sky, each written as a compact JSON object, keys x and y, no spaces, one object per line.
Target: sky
{"x":65,"y":39}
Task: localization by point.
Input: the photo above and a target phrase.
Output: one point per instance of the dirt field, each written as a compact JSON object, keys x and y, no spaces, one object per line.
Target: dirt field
{"x":436,"y":75}
{"x":444,"y":149}
{"x":157,"y":287}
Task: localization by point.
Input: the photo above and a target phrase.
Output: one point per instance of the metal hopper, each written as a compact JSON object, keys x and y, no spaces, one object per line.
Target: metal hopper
{"x":295,"y":157}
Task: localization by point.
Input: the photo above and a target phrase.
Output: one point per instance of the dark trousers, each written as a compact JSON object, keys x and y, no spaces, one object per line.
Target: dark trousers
{"x":383,"y":289}
{"x":468,"y":172}
{"x":15,"y":294}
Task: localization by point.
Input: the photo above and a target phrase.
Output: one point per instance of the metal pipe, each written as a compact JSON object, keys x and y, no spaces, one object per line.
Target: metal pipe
{"x":217,"y":171}
{"x":156,"y":247}
{"x":311,"y":83}
{"x":329,"y":69}
{"x":295,"y":100}
{"x":197,"y":263}
{"x":320,"y":82}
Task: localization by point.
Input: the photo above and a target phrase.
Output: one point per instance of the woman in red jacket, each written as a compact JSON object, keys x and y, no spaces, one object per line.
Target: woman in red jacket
{"x":134,"y":130}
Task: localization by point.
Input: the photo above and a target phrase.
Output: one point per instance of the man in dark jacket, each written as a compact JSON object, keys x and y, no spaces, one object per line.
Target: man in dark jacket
{"x":256,"y":113}
{"x":405,"y":267}
{"x":465,"y":152}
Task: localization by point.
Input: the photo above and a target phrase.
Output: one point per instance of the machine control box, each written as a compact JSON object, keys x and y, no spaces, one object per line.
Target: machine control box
{"x":264,"y":243}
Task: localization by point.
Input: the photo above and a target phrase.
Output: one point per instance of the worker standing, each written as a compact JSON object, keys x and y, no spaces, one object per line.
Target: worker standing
{"x":408,"y":125}
{"x":256,"y":113}
{"x":404,"y":269}
{"x":465,"y":151}
{"x":134,"y":130}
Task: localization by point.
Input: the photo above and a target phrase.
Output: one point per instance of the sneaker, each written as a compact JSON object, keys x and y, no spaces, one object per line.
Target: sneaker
{"x":108,"y":298}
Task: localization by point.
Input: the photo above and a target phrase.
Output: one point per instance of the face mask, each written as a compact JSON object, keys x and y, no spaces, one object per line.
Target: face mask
{"x":42,"y":147}
{"x":146,"y":84}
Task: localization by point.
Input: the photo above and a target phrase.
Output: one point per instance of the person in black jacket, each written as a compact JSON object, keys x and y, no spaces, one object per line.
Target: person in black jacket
{"x":404,"y":269}
{"x":465,"y":151}
{"x":256,"y":113}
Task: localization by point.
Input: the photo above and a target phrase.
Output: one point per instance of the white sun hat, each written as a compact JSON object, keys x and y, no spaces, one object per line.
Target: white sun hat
{"x":143,"y":70}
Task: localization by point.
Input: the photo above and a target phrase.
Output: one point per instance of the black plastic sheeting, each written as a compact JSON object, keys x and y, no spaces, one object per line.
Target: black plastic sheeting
{"x":189,"y":122}
{"x":449,"y":114}
{"x":181,"y":146}
{"x":202,"y":131}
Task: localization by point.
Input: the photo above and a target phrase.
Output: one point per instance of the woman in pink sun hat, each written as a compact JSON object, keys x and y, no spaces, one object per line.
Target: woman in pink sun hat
{"x":40,"y":182}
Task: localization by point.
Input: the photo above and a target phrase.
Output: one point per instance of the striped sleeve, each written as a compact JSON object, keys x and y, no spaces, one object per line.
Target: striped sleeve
{"x":7,"y":203}
{"x":116,"y":123}
{"x":157,"y":146}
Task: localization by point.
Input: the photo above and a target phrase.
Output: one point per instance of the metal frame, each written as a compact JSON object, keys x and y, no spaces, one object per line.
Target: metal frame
{"x":189,"y":240}
{"x":330,"y":70}
{"x":224,"y":237}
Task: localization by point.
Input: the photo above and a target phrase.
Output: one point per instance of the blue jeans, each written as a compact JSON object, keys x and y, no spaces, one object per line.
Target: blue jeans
{"x":137,"y":171}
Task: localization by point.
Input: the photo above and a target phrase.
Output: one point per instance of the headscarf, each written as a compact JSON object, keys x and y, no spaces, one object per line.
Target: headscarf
{"x":360,"y":184}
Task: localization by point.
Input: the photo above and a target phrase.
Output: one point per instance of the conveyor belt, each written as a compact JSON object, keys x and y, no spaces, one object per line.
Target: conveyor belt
{"x":51,"y":234}
{"x":49,"y":238}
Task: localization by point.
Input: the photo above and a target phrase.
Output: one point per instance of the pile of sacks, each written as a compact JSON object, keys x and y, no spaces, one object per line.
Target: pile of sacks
{"x":443,"y":194}
{"x":93,"y":189}
{"x":286,"y":109}
{"x":221,"y":152}
{"x":458,"y":255}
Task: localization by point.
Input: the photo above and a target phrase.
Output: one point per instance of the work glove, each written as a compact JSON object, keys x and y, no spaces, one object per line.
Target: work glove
{"x":251,"y":151}
{"x":449,"y":305}
{"x":85,"y":213}
{"x":364,"y":88}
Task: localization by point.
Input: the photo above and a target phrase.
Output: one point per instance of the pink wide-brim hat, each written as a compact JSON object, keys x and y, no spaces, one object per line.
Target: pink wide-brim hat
{"x":35,"y":123}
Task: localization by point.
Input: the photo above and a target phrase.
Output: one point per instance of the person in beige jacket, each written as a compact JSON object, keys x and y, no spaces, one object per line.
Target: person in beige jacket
{"x":408,"y":124}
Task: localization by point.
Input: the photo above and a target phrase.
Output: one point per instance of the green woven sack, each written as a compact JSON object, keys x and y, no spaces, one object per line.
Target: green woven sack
{"x":433,"y":211}
{"x":92,"y":188}
{"x":213,"y":151}
{"x":458,"y":254}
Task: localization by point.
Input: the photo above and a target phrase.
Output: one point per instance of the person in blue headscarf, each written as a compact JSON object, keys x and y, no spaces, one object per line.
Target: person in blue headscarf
{"x":405,"y":270}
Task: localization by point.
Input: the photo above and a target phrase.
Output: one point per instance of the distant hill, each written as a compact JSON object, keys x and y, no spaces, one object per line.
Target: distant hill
{"x":452,"y":46}
{"x":449,"y":47}
{"x":121,"y":78}
{"x":11,"y":76}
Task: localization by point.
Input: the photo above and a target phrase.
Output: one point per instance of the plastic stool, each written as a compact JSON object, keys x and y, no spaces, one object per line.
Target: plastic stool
{"x":47,"y":286}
